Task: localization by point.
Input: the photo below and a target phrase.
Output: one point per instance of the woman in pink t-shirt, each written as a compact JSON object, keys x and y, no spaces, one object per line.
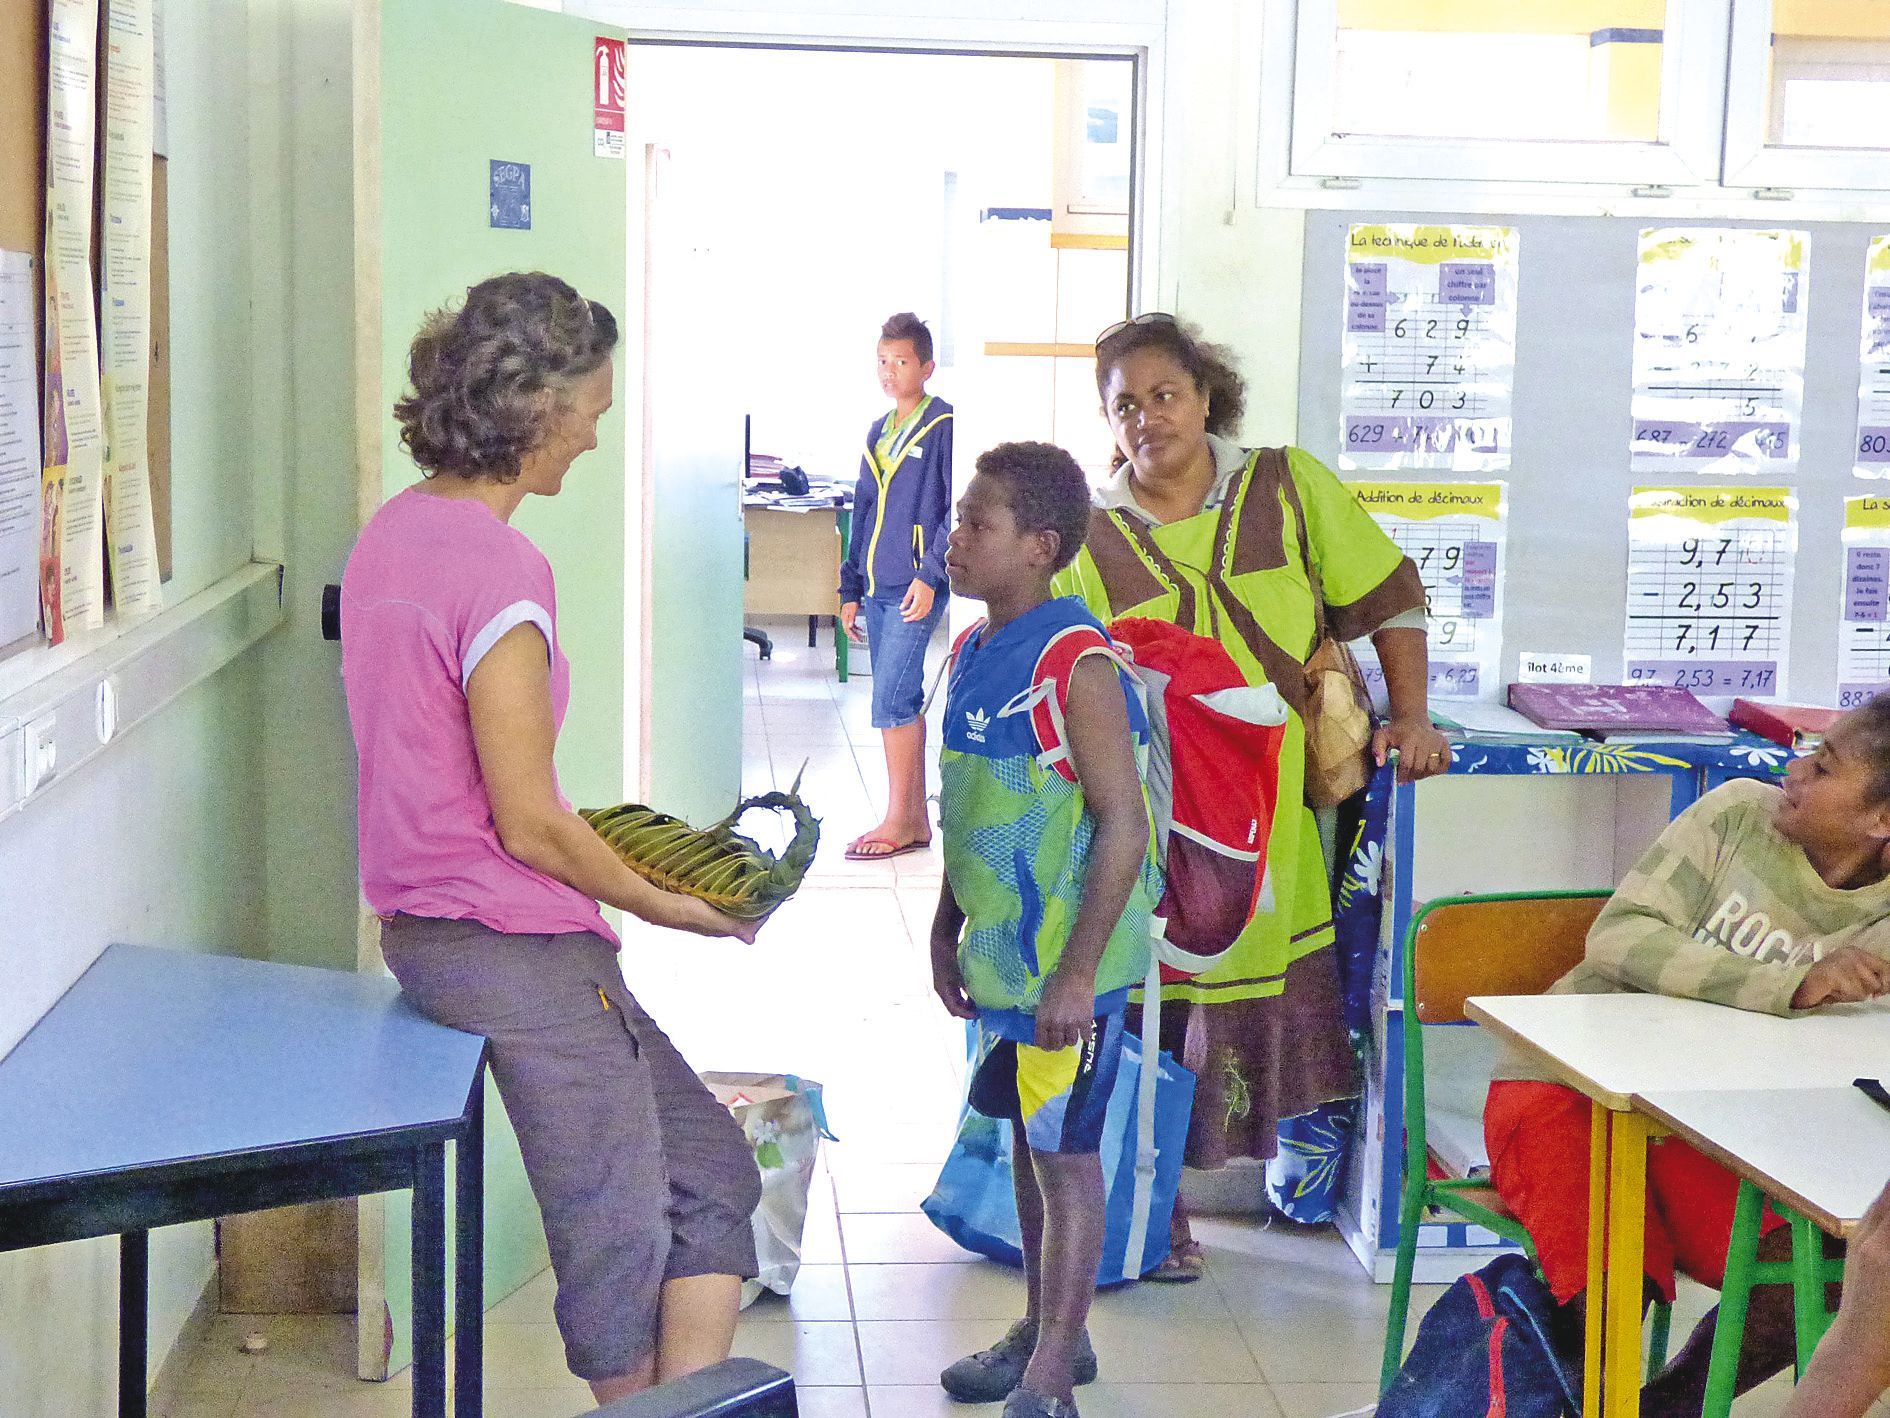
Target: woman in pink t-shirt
{"x":488,"y":885}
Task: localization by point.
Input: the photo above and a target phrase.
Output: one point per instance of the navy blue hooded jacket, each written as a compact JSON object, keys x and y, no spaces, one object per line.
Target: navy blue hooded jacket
{"x":902,"y":512}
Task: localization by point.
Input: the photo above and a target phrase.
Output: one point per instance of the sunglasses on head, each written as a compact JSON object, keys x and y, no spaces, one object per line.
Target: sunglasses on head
{"x":1153,"y":317}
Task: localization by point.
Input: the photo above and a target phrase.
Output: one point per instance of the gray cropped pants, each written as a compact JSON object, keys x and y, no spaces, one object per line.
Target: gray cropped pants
{"x":641,"y":1175}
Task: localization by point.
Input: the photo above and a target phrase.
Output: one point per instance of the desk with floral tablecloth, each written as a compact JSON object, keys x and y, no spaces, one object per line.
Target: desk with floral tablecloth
{"x":1346,"y":1158}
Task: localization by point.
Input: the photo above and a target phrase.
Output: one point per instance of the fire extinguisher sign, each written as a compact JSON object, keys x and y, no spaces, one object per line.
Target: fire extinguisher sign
{"x":607,"y":97}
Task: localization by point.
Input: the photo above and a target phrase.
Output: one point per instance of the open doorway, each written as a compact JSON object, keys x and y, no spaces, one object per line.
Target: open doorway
{"x":828,"y":189}
{"x":801,"y":196}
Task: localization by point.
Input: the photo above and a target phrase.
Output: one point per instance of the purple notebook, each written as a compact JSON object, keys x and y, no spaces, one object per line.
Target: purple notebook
{"x":1615,"y":708}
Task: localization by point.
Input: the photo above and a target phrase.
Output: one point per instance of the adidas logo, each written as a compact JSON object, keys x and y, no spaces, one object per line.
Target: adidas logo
{"x":976,"y":722}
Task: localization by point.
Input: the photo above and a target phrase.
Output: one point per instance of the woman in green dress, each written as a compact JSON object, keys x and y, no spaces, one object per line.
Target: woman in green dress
{"x":1266,"y":1019}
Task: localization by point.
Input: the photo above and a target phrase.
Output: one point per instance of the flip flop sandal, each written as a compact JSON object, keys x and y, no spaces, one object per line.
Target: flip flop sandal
{"x":895,"y":849}
{"x":1185,"y":1263}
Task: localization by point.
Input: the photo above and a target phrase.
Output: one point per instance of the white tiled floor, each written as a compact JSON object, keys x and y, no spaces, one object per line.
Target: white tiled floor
{"x":1284,"y":1325}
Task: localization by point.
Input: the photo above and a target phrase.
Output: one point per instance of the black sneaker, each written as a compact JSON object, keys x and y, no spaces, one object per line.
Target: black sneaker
{"x":990,"y":1375}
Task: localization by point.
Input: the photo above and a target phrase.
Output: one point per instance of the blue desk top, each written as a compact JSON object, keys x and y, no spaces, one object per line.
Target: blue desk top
{"x":164,"y":1056}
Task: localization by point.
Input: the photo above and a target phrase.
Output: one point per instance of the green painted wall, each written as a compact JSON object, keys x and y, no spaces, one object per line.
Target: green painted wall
{"x":463,"y":82}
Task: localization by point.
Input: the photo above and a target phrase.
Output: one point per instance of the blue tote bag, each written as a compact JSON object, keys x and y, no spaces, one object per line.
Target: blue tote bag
{"x":1143,"y":1135}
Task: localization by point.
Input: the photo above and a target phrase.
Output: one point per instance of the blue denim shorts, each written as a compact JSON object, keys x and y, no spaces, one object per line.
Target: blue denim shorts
{"x":898,"y":651}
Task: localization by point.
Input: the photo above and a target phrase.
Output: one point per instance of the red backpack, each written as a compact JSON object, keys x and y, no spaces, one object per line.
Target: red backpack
{"x":1213,"y":775}
{"x":1213,"y":784}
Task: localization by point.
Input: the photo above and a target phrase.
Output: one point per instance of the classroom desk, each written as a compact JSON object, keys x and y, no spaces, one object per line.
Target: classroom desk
{"x":794,"y":565}
{"x":1373,"y":926}
{"x":1615,"y":1047}
{"x":1820,"y":1155}
{"x":168,"y":1086}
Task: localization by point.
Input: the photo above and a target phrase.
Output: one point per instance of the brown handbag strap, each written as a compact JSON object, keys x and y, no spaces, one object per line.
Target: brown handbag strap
{"x":1287,"y":674}
{"x":1282,"y":469}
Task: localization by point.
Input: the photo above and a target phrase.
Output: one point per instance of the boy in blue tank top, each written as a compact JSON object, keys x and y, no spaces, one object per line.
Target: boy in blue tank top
{"x":1043,"y":916}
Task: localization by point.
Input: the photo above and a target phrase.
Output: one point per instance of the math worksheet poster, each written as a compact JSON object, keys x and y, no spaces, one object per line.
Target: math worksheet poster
{"x":1873,"y":380}
{"x":1719,"y":350}
{"x":1864,"y":632}
{"x":1454,"y":533}
{"x":1429,"y":348}
{"x":1710,"y":588}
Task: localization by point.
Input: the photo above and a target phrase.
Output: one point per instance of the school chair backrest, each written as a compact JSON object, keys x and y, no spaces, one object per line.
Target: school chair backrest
{"x":1510,"y":944}
{"x":1455,"y":947}
{"x":734,"y":1388}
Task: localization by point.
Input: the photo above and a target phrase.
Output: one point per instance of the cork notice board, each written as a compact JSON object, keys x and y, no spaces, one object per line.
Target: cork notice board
{"x":23,"y":54}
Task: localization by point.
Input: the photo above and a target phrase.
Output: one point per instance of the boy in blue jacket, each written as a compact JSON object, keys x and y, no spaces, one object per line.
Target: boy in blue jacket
{"x":894,"y":574}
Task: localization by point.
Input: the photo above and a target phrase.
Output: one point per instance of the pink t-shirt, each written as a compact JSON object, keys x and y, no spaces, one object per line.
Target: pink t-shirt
{"x":431,"y":586}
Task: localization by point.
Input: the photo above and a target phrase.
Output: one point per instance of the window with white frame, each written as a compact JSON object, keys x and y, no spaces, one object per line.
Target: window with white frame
{"x":1674,"y":93}
{"x":1808,"y":94}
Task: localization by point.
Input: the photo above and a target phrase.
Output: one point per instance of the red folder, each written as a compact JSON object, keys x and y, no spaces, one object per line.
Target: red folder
{"x":1793,"y":725}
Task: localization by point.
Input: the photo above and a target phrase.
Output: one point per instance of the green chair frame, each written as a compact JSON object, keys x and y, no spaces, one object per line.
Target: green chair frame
{"x":1808,"y":1271}
{"x":1455,"y":1195}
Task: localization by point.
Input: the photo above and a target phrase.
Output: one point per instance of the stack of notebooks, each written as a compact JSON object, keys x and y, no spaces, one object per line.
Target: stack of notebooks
{"x":1492,"y":723}
{"x":1645,"y":713}
{"x":1642,"y":713}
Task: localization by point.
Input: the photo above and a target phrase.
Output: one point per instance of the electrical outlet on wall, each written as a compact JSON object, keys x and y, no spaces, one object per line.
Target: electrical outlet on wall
{"x":39,"y":754}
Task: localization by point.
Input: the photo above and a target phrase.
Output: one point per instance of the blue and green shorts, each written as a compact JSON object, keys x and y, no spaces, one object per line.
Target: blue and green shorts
{"x":1059,"y":1097}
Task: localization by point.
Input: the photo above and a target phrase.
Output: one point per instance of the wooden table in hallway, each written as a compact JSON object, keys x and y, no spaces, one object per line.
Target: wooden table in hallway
{"x":1613,"y":1047}
{"x":793,"y":566}
{"x":169,"y":1086}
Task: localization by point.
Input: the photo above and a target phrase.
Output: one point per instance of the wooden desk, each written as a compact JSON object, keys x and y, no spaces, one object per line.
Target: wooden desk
{"x":1615,"y":1047}
{"x":794,"y":566}
{"x":167,"y":1086}
{"x":1821,"y":1156}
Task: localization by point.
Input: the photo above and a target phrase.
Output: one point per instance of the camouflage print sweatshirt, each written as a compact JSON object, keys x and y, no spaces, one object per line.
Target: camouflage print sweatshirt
{"x":1721,"y":908}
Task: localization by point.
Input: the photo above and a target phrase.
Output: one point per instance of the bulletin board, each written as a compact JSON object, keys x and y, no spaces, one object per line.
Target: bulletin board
{"x":23,"y":58}
{"x":1569,"y":481}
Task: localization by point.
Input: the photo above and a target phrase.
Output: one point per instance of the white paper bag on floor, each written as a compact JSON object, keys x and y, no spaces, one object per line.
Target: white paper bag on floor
{"x":784,"y":1121}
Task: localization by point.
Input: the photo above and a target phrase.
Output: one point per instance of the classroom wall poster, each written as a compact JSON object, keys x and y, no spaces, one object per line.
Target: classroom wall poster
{"x":1710,"y":588}
{"x":1873,"y":379}
{"x":125,"y":306}
{"x":72,"y":572}
{"x":1429,"y":347}
{"x":1719,"y":350}
{"x":1455,"y":533}
{"x":1864,"y":631}
{"x":19,"y":451}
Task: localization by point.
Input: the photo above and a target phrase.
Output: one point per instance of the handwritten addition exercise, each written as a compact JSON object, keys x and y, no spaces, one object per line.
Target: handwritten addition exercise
{"x":1864,"y":636}
{"x":1710,"y":588}
{"x":1429,"y":347}
{"x":1455,"y":533}
{"x":1719,"y":350}
{"x":1873,"y":380}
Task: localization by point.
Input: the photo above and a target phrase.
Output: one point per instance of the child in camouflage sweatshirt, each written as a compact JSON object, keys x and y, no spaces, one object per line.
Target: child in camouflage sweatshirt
{"x":1759,"y":898}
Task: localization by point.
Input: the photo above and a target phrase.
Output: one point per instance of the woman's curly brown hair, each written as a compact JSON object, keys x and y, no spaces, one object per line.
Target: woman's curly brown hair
{"x":1210,"y":366}
{"x":480,"y":376}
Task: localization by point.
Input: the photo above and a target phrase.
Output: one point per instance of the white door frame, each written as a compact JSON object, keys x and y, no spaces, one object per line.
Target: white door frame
{"x":1143,"y":42}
